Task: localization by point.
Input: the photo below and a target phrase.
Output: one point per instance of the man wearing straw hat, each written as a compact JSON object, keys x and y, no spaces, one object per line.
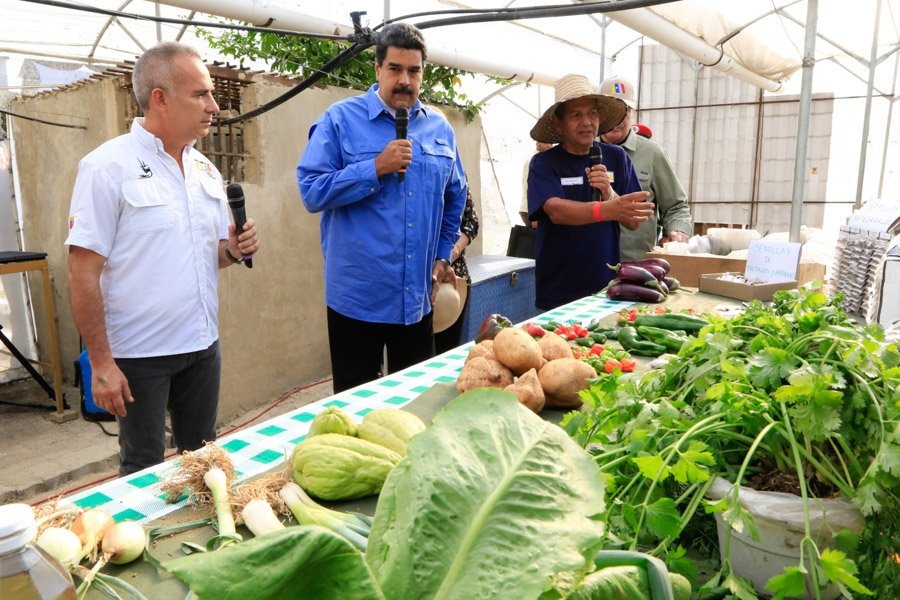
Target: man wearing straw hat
{"x":579,"y":206}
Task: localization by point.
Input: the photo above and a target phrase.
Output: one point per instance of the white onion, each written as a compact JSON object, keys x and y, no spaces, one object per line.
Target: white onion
{"x":124,"y":542}
{"x":61,"y":544}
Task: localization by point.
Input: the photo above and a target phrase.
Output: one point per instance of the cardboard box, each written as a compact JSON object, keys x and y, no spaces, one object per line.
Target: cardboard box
{"x":687,"y":268}
{"x":712,"y":284}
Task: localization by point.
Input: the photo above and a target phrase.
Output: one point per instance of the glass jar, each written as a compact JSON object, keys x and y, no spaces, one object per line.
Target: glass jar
{"x":26,"y":571}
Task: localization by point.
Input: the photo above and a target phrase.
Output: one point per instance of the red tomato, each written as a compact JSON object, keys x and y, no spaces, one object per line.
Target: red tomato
{"x":571,"y":336}
{"x":628,"y":365}
{"x":611,"y":365}
{"x":597,"y":349}
{"x":632,"y":315}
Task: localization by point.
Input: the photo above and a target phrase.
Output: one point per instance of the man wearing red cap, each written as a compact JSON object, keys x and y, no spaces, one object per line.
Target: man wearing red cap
{"x":671,"y":221}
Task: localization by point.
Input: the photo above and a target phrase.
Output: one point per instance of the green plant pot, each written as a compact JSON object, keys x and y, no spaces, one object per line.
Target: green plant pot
{"x":779,"y":520}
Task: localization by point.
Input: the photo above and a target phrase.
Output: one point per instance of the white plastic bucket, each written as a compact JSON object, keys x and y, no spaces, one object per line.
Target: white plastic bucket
{"x":779,"y":521}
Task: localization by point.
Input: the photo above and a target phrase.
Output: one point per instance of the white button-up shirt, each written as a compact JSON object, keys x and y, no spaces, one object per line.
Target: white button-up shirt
{"x":159,"y":231}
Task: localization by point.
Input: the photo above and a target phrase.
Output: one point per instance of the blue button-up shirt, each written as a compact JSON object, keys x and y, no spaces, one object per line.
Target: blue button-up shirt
{"x":380,"y":237}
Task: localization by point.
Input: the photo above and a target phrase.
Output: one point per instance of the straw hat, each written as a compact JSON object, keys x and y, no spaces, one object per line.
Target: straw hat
{"x":449,"y":303}
{"x":570,"y":87}
{"x":619,"y":87}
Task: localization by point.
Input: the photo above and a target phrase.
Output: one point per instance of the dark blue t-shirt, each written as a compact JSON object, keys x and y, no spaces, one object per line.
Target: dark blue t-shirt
{"x":570,"y":260}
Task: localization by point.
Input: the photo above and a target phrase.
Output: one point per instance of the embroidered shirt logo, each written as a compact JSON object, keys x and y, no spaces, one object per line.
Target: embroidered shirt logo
{"x":71,"y":221}
{"x":146,"y":170}
{"x":203,"y":167}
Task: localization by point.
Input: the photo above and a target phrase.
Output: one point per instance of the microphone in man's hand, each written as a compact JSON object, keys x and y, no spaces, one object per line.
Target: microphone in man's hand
{"x":401,"y":118}
{"x":236,"y":201}
{"x":595,"y":157}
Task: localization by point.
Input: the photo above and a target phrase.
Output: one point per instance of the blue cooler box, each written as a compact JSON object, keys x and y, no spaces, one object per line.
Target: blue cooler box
{"x":500,"y":284}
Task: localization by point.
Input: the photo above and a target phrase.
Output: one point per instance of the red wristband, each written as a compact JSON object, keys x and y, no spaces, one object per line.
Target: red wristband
{"x":597,"y":216}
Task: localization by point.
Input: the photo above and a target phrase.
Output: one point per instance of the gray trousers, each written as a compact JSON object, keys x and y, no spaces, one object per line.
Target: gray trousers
{"x":185,"y":385}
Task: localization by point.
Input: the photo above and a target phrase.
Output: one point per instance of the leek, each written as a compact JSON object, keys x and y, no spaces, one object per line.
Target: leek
{"x":352,"y":526}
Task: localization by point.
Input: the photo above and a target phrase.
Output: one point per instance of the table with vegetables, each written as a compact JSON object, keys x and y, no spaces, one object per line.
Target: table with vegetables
{"x":566,"y":457}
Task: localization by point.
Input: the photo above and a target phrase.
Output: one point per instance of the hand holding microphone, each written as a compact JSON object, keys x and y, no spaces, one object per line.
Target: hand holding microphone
{"x":236,"y":201}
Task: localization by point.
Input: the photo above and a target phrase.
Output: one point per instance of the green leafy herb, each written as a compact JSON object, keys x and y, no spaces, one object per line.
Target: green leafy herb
{"x":793,"y":385}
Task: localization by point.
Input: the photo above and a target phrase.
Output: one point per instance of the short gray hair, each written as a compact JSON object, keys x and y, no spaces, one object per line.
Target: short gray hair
{"x":154,"y":70}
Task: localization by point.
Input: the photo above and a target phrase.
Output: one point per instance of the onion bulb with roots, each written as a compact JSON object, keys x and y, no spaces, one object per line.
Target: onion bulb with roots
{"x":123,"y":542}
{"x":90,"y":526}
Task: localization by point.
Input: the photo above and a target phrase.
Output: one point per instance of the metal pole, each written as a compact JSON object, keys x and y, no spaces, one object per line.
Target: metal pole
{"x":603,"y":25}
{"x":809,"y":61}
{"x":158,"y":23}
{"x":387,"y":10}
{"x":864,"y":144}
{"x":887,"y":127}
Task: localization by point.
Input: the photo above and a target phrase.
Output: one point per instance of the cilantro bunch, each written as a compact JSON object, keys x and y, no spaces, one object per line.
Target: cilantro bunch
{"x":793,"y":386}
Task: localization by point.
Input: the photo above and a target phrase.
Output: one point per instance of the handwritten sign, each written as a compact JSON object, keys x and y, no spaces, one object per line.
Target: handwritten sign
{"x":880,"y":216}
{"x":770,"y":262}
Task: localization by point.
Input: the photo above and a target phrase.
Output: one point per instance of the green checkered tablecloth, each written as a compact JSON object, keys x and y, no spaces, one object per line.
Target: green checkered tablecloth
{"x":261,"y":448}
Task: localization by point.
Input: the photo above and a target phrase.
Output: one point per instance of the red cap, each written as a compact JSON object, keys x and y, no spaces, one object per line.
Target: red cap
{"x":642,"y":130}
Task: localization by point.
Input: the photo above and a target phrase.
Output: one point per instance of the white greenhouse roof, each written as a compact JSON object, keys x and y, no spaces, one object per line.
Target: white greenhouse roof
{"x":767,"y":36}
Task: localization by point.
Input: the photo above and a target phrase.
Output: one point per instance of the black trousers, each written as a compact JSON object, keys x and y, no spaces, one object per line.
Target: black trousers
{"x":185,"y":385}
{"x":357,"y":348}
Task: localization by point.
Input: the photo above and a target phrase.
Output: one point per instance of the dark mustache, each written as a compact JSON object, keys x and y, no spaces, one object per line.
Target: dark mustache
{"x":402,"y":89}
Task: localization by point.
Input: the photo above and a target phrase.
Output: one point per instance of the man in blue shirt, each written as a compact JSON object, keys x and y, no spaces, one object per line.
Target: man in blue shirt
{"x":391,"y":210}
{"x":579,"y":206}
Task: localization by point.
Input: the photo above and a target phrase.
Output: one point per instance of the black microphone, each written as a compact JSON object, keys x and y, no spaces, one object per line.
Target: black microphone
{"x":402,"y":120}
{"x":595,"y":157}
{"x":236,"y":201}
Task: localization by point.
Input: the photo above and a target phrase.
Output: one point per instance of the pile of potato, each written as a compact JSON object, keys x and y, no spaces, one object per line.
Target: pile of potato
{"x":540,"y":372}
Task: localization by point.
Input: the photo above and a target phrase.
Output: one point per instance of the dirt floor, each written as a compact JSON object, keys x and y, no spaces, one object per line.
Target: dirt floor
{"x":42,"y":459}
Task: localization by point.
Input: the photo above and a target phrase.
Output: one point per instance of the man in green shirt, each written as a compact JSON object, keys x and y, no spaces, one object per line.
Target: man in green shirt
{"x":671,"y":221}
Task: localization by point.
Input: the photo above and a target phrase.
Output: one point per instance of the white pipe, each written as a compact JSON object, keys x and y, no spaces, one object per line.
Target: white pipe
{"x":647,"y":22}
{"x":261,"y":14}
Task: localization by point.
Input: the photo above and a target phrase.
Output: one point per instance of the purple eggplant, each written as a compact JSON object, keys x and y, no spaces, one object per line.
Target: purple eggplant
{"x":658,"y":271}
{"x":643,"y":262}
{"x":672,"y":283}
{"x":635,"y":274}
{"x":632,"y":273}
{"x":632,"y":291}
{"x":662,"y":286}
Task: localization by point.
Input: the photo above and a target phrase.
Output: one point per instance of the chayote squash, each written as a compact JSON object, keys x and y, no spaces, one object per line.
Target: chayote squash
{"x":332,"y":466}
{"x":332,"y":420}
{"x":391,"y":428}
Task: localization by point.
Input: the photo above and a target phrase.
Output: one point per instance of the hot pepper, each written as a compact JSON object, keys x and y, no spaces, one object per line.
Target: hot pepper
{"x":491,"y":326}
{"x":671,"y":340}
{"x":629,"y":339}
{"x":671,"y":321}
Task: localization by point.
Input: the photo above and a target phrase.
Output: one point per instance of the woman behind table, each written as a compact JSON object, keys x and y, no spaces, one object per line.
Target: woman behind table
{"x":468,"y":230}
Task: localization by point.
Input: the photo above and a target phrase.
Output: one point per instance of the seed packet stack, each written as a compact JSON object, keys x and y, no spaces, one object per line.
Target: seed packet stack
{"x":861,"y":248}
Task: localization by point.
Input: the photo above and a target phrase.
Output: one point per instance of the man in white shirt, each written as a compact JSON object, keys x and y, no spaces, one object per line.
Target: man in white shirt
{"x":148,"y":231}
